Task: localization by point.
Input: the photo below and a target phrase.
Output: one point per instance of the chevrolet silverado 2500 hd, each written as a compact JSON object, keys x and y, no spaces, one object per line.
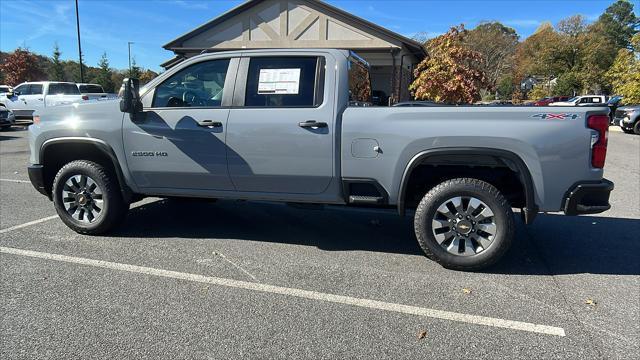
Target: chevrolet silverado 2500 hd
{"x":295,"y":126}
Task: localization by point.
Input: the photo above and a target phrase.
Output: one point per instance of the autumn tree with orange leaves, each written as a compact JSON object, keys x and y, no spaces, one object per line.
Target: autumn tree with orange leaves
{"x":451,"y":73}
{"x":21,"y":66}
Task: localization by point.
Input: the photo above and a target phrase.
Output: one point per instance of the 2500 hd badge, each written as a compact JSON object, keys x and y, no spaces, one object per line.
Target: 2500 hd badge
{"x":149,"y":153}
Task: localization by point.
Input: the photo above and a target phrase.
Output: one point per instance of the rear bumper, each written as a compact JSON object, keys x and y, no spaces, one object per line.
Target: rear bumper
{"x":588,"y":198}
{"x":36,"y":176}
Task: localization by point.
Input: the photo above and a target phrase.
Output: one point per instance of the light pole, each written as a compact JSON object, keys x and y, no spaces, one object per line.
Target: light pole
{"x":79,"y":47}
{"x":129,"y":45}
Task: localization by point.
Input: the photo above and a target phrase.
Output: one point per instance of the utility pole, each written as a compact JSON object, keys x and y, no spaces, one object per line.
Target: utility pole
{"x":79,"y":47}
{"x":129,"y":45}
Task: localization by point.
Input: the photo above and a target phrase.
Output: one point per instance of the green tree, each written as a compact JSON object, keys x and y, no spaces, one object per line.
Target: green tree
{"x":135,"y":71}
{"x":451,"y":73}
{"x":624,"y":74}
{"x":538,"y":56}
{"x":104,"y":75}
{"x":56,"y":70}
{"x":539,"y":91}
{"x":568,"y":84}
{"x":505,"y":88}
{"x":619,"y":23}
{"x":497,"y":45}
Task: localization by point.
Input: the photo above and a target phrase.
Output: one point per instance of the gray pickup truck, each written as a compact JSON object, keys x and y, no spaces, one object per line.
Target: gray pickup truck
{"x":296,"y":126}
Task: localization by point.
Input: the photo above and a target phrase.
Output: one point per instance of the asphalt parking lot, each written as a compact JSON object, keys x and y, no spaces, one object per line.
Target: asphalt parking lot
{"x":260,"y":280}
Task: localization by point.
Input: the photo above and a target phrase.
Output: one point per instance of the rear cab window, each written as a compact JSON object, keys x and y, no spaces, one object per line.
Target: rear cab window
{"x":359,"y":82}
{"x":62,"y":89}
{"x":285,"y":81}
{"x":91,"y":89}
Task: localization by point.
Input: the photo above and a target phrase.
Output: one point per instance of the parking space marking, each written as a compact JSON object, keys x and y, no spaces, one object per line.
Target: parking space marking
{"x":299,"y":293}
{"x":17,"y":181}
{"x":34,"y":222}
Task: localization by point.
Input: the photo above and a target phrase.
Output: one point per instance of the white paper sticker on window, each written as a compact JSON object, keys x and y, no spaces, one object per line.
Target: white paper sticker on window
{"x":279,"y":81}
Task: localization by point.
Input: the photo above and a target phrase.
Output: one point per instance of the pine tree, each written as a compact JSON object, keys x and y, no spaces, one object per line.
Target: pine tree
{"x":56,"y":71}
{"x":104,"y":74}
{"x":135,"y":70}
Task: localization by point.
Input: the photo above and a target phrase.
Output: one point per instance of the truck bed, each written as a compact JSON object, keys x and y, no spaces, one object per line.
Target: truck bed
{"x":553,"y":143}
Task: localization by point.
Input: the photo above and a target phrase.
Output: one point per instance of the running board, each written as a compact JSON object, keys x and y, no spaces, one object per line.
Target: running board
{"x":370,"y":200}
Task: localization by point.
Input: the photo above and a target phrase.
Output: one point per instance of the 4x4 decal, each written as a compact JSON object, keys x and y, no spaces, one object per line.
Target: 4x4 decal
{"x":556,"y":116}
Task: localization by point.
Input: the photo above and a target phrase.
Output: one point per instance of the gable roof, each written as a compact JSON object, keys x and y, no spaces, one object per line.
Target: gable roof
{"x":414,"y":46}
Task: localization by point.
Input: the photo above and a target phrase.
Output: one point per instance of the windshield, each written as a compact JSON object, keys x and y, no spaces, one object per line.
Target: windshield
{"x":614,"y":100}
{"x":573,"y":99}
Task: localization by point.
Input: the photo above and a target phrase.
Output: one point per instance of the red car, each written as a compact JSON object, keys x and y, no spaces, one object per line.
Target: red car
{"x":549,"y":99}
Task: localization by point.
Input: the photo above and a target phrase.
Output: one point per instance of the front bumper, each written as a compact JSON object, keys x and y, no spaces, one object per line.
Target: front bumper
{"x":7,"y":118}
{"x":624,"y":122}
{"x":23,"y":114}
{"x":588,"y":198}
{"x":36,"y":176}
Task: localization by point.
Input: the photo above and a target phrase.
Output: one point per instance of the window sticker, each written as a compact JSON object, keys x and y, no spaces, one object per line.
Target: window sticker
{"x":279,"y":81}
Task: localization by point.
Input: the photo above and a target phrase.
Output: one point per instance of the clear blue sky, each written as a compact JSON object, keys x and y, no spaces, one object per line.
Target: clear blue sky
{"x":107,"y":25}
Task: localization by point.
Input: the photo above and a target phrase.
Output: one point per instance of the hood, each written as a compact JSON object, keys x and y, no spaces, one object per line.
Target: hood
{"x":630,"y":107}
{"x":84,"y":111}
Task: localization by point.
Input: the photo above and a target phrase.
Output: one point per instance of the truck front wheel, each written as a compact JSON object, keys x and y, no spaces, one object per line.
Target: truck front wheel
{"x":87,"y":198}
{"x":464,"y":224}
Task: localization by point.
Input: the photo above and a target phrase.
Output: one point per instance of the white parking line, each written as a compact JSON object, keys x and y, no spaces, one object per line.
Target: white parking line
{"x":34,"y":222}
{"x":17,"y":181}
{"x":299,"y":293}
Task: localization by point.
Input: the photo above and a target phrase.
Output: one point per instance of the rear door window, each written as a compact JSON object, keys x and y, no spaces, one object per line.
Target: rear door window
{"x":35,"y":89}
{"x":285,"y":82}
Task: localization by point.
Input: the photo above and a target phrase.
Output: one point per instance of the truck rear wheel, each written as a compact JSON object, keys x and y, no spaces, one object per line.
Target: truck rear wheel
{"x":87,"y":198}
{"x":464,"y":224}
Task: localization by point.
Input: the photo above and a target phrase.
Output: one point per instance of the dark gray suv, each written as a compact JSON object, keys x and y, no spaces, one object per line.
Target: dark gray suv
{"x":628,"y":118}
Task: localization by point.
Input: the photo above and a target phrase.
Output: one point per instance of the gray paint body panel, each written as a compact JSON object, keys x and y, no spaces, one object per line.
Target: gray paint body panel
{"x":556,"y":152}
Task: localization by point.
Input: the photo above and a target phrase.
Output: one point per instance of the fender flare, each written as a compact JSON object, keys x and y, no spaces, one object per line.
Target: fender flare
{"x":529,"y":211}
{"x":102,"y":146}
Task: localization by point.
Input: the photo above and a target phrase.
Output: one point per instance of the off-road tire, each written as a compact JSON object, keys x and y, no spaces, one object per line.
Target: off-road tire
{"x":487,"y":193}
{"x":114,"y":207}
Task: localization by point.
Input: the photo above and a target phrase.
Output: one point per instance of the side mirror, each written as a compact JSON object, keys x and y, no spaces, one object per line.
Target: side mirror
{"x":130,"y":102}
{"x":13,"y":93}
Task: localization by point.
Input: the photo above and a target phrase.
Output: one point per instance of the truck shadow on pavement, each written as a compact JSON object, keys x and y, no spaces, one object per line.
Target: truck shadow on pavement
{"x":553,"y":245}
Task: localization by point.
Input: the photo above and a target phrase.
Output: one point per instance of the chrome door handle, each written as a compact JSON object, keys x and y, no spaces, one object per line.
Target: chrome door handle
{"x":209,"y":123}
